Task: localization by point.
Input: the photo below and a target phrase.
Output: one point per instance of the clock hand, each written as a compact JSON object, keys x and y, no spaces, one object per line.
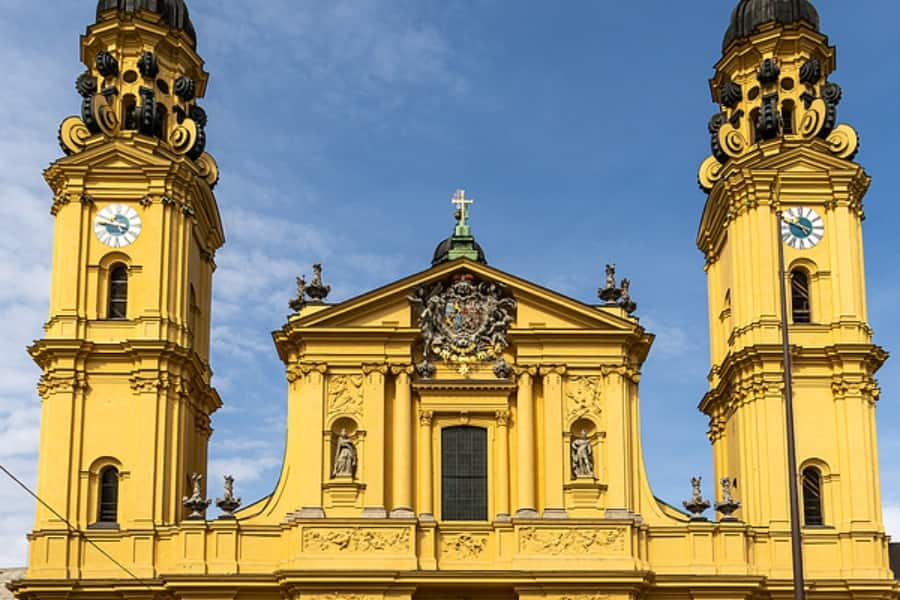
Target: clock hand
{"x":114,"y":223}
{"x":795,"y":221}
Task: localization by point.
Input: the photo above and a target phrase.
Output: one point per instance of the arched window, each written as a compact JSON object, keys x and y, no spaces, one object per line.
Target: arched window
{"x":118,"y":292}
{"x":464,"y":474}
{"x":800,"y":305}
{"x":812,"y":497}
{"x":108,"y":507}
{"x":787,"y":117}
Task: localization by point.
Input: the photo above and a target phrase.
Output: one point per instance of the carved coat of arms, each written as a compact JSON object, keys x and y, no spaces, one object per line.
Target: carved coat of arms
{"x":465,"y":321}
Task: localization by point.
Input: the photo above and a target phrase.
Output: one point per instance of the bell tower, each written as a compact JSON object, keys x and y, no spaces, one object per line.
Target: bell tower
{"x":126,"y":394}
{"x":777,"y":148}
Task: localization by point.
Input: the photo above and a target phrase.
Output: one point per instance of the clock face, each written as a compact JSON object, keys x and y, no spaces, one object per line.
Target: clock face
{"x":802,"y":228}
{"x":117,"y":225}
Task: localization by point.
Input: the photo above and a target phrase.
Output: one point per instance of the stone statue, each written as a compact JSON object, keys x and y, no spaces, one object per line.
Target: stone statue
{"x":582,"y":457}
{"x":228,"y":503}
{"x":317,"y":290}
{"x":344,"y":457}
{"x":626,"y":302}
{"x":728,"y":505}
{"x":610,"y":276}
{"x":610,"y":293}
{"x":196,"y":503}
{"x":697,"y":504}
{"x":297,"y":303}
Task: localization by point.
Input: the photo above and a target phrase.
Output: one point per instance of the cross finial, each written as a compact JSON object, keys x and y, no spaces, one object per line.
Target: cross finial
{"x":462,"y":207}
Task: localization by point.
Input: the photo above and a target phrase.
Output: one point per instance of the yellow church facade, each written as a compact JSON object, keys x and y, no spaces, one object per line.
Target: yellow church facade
{"x":462,"y":432}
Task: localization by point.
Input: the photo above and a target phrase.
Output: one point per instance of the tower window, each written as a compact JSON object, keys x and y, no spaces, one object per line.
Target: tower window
{"x":800,"y":305}
{"x":812,"y":497}
{"x":464,"y":474}
{"x":787,"y":116}
{"x":109,"y":495}
{"x":118,"y":292}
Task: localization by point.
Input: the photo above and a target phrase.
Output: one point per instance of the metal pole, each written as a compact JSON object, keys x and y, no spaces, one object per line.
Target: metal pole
{"x":796,"y":538}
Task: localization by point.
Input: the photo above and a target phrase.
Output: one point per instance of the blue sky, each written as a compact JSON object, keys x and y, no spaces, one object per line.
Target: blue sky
{"x":342,"y":128}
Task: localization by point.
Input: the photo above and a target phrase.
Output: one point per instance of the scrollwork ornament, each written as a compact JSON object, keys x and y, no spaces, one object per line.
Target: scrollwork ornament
{"x":208,"y":169}
{"x":107,"y":64}
{"x":811,"y":71}
{"x":147,"y":65}
{"x":710,"y":173}
{"x":73,"y":135}
{"x":199,"y":146}
{"x":843,"y":142}
{"x":730,"y":94}
{"x":105,"y":116}
{"x":185,"y":88}
{"x":86,"y":85}
{"x":813,"y":119}
{"x":183,"y":136}
{"x":732,"y":142}
{"x":199,"y":115}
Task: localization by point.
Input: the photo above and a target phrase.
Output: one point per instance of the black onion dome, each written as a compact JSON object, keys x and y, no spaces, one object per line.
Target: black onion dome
{"x":174,"y":12}
{"x":442,"y":252}
{"x":750,"y":14}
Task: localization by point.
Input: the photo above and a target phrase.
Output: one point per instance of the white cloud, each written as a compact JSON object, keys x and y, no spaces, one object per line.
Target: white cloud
{"x":243,"y":469}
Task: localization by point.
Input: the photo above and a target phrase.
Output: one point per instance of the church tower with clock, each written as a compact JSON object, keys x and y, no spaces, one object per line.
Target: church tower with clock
{"x":125,"y":391}
{"x":782,"y":172}
{"x":460,"y":432}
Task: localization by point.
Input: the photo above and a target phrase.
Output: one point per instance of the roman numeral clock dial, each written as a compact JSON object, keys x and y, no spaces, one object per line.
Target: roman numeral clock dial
{"x":117,"y":225}
{"x":802,"y":228}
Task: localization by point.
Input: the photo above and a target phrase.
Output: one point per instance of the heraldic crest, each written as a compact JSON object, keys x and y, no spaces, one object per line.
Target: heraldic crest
{"x":464,"y":322}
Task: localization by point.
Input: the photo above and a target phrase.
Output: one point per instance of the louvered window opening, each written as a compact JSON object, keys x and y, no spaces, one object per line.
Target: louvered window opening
{"x":464,"y":484}
{"x":109,"y":495}
{"x":812,"y":497}
{"x":118,"y":292}
{"x":800,"y":305}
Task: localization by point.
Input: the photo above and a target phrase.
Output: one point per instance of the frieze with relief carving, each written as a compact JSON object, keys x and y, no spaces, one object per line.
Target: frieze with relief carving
{"x":463,"y":546}
{"x":345,"y":395}
{"x":332,"y":540}
{"x":582,"y":397}
{"x":570,"y":541}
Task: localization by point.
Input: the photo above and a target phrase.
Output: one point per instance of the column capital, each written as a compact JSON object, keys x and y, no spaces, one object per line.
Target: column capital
{"x":530,"y":370}
{"x":425,"y":417}
{"x":377,"y":368}
{"x":502,"y":417}
{"x":402,"y":369}
{"x":546,"y":370}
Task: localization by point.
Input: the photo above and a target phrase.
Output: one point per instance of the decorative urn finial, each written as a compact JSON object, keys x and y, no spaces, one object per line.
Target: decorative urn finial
{"x":317,"y":291}
{"x":697,"y":504}
{"x":228,"y":503}
{"x":728,"y":505}
{"x":196,"y":503}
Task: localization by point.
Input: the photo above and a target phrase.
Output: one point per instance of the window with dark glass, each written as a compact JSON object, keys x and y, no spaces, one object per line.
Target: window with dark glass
{"x":787,"y":117}
{"x":800,"y":305}
{"x":464,"y":474}
{"x":109,"y":495}
{"x":118,"y":292}
{"x":812,"y":497}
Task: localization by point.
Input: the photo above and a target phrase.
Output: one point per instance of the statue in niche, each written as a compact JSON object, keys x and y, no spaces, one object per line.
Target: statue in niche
{"x":344,"y":457}
{"x":582,"y":457}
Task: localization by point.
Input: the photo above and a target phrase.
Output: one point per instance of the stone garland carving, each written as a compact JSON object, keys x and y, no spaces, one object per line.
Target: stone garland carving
{"x":345,"y":395}
{"x":464,"y":321}
{"x":572,"y":542}
{"x":329,"y":540}
{"x":463,"y":546}
{"x":582,"y":397}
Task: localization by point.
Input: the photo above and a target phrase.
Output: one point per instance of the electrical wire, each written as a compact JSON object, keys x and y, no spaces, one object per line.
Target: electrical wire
{"x":75,"y":530}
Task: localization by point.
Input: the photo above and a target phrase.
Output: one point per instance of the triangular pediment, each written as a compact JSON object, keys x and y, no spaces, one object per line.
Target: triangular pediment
{"x":805,"y":159}
{"x":113,"y":155}
{"x":537,"y":307}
